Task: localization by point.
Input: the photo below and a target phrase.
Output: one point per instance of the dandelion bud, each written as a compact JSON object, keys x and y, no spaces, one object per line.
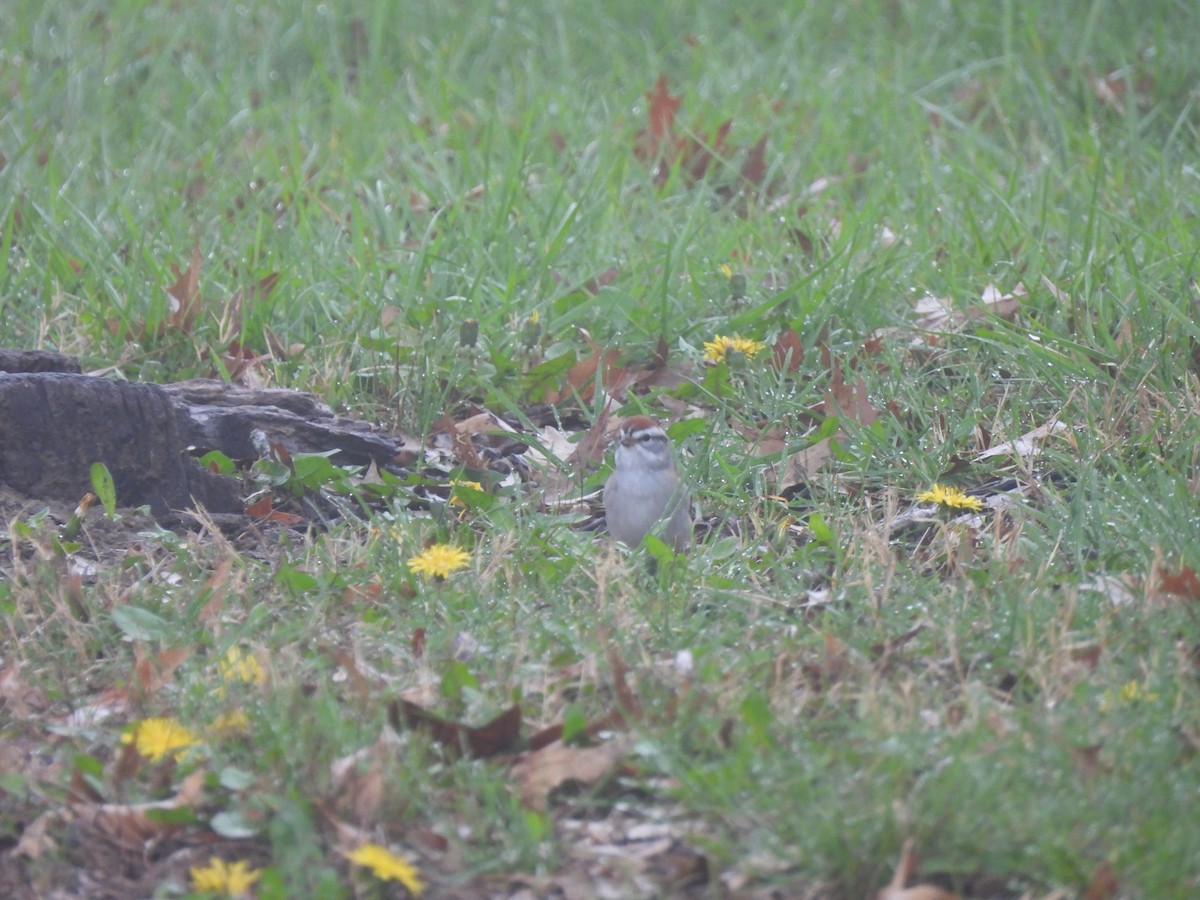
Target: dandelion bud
{"x":532,"y":332}
{"x":468,"y":333}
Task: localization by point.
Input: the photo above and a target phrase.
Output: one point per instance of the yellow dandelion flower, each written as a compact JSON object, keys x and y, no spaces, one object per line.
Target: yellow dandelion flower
{"x":222,"y":878}
{"x":387,"y":866}
{"x":726,"y":270}
{"x":439,"y":561}
{"x":155,"y":738}
{"x":454,"y":483}
{"x":951,"y":497}
{"x":721,"y":346}
{"x":1131,"y":692}
{"x":230,"y":723}
{"x":241,"y":666}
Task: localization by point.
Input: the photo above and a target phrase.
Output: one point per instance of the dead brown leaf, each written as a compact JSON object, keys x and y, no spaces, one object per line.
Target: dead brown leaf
{"x":234,"y":311}
{"x":1088,"y":763}
{"x":660,"y":136}
{"x":500,"y":735}
{"x":240,"y":363}
{"x":940,"y":313}
{"x":1087,"y":655}
{"x":754,"y":169}
{"x":493,"y":429}
{"x":1103,"y":884}
{"x":788,"y":351}
{"x":696,"y":154}
{"x":1182,"y":582}
{"x":1027,"y":445}
{"x":677,"y":867}
{"x":1110,"y":90}
{"x":129,"y":825}
{"x":215,"y":586}
{"x":884,"y":650}
{"x":83,"y":790}
{"x":362,"y":686}
{"x":590,"y":450}
{"x":357,"y":780}
{"x":551,"y":733}
{"x":665,"y":146}
{"x":464,"y":449}
{"x":627,"y":700}
{"x":848,"y":402}
{"x":18,"y":699}
{"x":1002,"y":306}
{"x":804,"y":464}
{"x":582,"y":377}
{"x":184,"y":294}
{"x":113,"y":702}
{"x":604,"y":279}
{"x":1057,"y":293}
{"x":765,"y":439}
{"x":153,"y":672}
{"x":905,"y":869}
{"x":539,"y":772}
{"x":260,"y":508}
{"x":824,"y":669}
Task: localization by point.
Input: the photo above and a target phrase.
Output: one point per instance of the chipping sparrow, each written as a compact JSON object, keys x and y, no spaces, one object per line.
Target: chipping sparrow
{"x":645,"y":488}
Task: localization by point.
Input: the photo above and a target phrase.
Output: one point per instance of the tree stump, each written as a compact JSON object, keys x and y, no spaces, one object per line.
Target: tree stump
{"x":55,"y":425}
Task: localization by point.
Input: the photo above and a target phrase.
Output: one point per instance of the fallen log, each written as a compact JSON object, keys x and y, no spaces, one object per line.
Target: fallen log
{"x":37,"y":361}
{"x":213,"y":415}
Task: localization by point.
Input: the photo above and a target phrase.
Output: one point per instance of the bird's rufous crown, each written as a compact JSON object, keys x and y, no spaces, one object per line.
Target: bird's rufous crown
{"x":638,"y":423}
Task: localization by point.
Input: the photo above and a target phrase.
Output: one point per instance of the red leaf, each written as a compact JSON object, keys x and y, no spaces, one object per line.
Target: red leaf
{"x":1184,"y":583}
{"x":662,"y":110}
{"x":658,"y":141}
{"x":259,"y":509}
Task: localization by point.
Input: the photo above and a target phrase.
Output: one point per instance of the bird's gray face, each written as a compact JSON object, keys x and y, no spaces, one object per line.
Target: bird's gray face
{"x":646,"y":448}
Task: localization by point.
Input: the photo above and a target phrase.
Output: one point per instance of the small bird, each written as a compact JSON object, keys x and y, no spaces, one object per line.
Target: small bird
{"x":645,"y":488}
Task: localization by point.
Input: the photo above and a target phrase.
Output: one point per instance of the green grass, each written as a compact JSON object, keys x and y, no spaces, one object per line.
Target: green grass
{"x":404,"y":167}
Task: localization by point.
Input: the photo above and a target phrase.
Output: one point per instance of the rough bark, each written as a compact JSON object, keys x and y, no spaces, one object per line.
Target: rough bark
{"x":54,"y":426}
{"x":214,"y":415}
{"x":37,"y":361}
